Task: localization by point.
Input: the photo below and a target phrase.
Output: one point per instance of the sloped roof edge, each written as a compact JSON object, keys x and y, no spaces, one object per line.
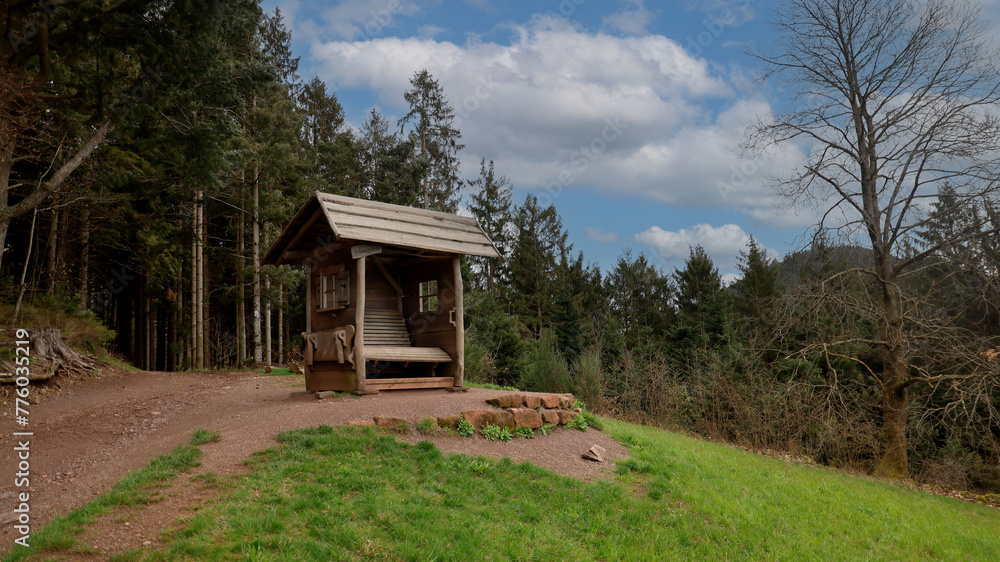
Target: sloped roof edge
{"x":393,"y":225}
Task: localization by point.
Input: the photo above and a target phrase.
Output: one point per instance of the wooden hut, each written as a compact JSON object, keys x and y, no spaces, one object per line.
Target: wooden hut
{"x":383,"y":292}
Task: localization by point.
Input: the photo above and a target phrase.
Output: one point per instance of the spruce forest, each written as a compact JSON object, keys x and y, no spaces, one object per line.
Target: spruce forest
{"x":151,"y":151}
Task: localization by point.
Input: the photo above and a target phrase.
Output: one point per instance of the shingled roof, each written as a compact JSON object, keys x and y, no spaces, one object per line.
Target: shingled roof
{"x":346,"y":218}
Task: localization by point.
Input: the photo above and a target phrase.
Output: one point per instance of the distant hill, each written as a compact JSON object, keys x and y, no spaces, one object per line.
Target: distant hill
{"x":790,"y":267}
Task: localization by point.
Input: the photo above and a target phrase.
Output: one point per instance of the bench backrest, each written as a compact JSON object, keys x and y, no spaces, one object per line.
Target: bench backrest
{"x":385,"y":327}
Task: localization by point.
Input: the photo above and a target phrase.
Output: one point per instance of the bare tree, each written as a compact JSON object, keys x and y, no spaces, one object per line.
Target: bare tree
{"x":892,"y":99}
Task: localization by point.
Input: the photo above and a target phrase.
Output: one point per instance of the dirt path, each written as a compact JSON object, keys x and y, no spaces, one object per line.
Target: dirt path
{"x":95,"y":431}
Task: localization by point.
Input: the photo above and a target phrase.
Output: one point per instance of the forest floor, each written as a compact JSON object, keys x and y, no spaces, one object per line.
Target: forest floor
{"x":93,"y":431}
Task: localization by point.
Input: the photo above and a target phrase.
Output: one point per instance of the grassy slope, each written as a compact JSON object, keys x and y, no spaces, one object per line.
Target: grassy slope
{"x":352,"y":493}
{"x":761,"y":507}
{"x":356,"y":493}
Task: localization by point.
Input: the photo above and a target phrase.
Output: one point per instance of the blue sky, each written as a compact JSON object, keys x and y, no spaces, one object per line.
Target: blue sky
{"x":626,"y":115}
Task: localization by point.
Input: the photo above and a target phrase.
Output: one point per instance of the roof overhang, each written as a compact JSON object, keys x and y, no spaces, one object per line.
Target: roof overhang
{"x":326,"y":219}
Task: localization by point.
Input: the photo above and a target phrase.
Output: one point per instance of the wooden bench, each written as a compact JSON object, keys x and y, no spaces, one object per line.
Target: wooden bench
{"x":386,"y":339}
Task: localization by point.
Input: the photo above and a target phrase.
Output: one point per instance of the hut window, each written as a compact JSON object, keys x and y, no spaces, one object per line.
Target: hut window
{"x":334,"y":289}
{"x":429,"y":296}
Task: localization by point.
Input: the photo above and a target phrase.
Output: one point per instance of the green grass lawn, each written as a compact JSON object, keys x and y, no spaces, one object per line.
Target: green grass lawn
{"x":357,"y":494}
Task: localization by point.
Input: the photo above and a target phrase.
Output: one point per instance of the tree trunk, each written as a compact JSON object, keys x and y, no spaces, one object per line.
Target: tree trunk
{"x":6,"y":163}
{"x":183,"y":349}
{"x":172,"y":341}
{"x":267,"y":321}
{"x":139,"y":324}
{"x":241,"y":297}
{"x":281,"y":324}
{"x":193,"y":338}
{"x":84,"y":286}
{"x":61,"y":250}
{"x":151,"y":335}
{"x":198,"y":285}
{"x":895,"y":375}
{"x":50,"y":252}
{"x":24,"y":272}
{"x":206,"y":348}
{"x":258,"y":352}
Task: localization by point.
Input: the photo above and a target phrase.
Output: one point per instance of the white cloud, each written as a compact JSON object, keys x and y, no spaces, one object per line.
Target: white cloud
{"x":723,"y":244}
{"x":349,"y":19}
{"x":632,"y":18}
{"x":562,"y":107}
{"x":599,"y":235}
{"x":674,"y":245}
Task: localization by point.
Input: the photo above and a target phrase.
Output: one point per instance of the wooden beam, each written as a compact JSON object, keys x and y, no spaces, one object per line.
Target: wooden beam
{"x":309,"y":302}
{"x":385,"y":273}
{"x":360,"y":364}
{"x":459,"y":323}
{"x":407,"y":353}
{"x":411,"y":383}
{"x":298,"y":236}
{"x":296,"y":255}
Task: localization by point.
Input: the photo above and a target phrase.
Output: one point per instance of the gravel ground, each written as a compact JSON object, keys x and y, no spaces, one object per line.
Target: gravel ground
{"x":91,"y":433}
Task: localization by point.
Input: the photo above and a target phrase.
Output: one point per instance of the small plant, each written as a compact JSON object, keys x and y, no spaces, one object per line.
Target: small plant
{"x":495,"y":432}
{"x":592,"y":420}
{"x":203,"y":436}
{"x":524,"y":432}
{"x":479,"y":466}
{"x":578,"y":422}
{"x":466,"y":429}
{"x":546,"y":429}
{"x":427,"y":426}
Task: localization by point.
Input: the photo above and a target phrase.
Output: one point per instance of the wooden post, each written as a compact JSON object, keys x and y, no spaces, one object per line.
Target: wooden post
{"x":359,"y":328}
{"x":456,"y":261}
{"x":309,"y":301}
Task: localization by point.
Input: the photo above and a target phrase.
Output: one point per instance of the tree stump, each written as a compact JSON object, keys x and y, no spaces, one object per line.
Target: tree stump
{"x":49,"y":356}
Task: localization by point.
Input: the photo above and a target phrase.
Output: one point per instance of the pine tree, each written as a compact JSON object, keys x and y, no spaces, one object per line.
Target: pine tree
{"x":567,"y":323}
{"x":491,"y":203}
{"x":759,"y":284}
{"x":389,"y":171}
{"x":539,"y":242}
{"x":331,"y":154}
{"x":700,"y":300}
{"x":640,"y":298}
{"x":435,"y":139}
